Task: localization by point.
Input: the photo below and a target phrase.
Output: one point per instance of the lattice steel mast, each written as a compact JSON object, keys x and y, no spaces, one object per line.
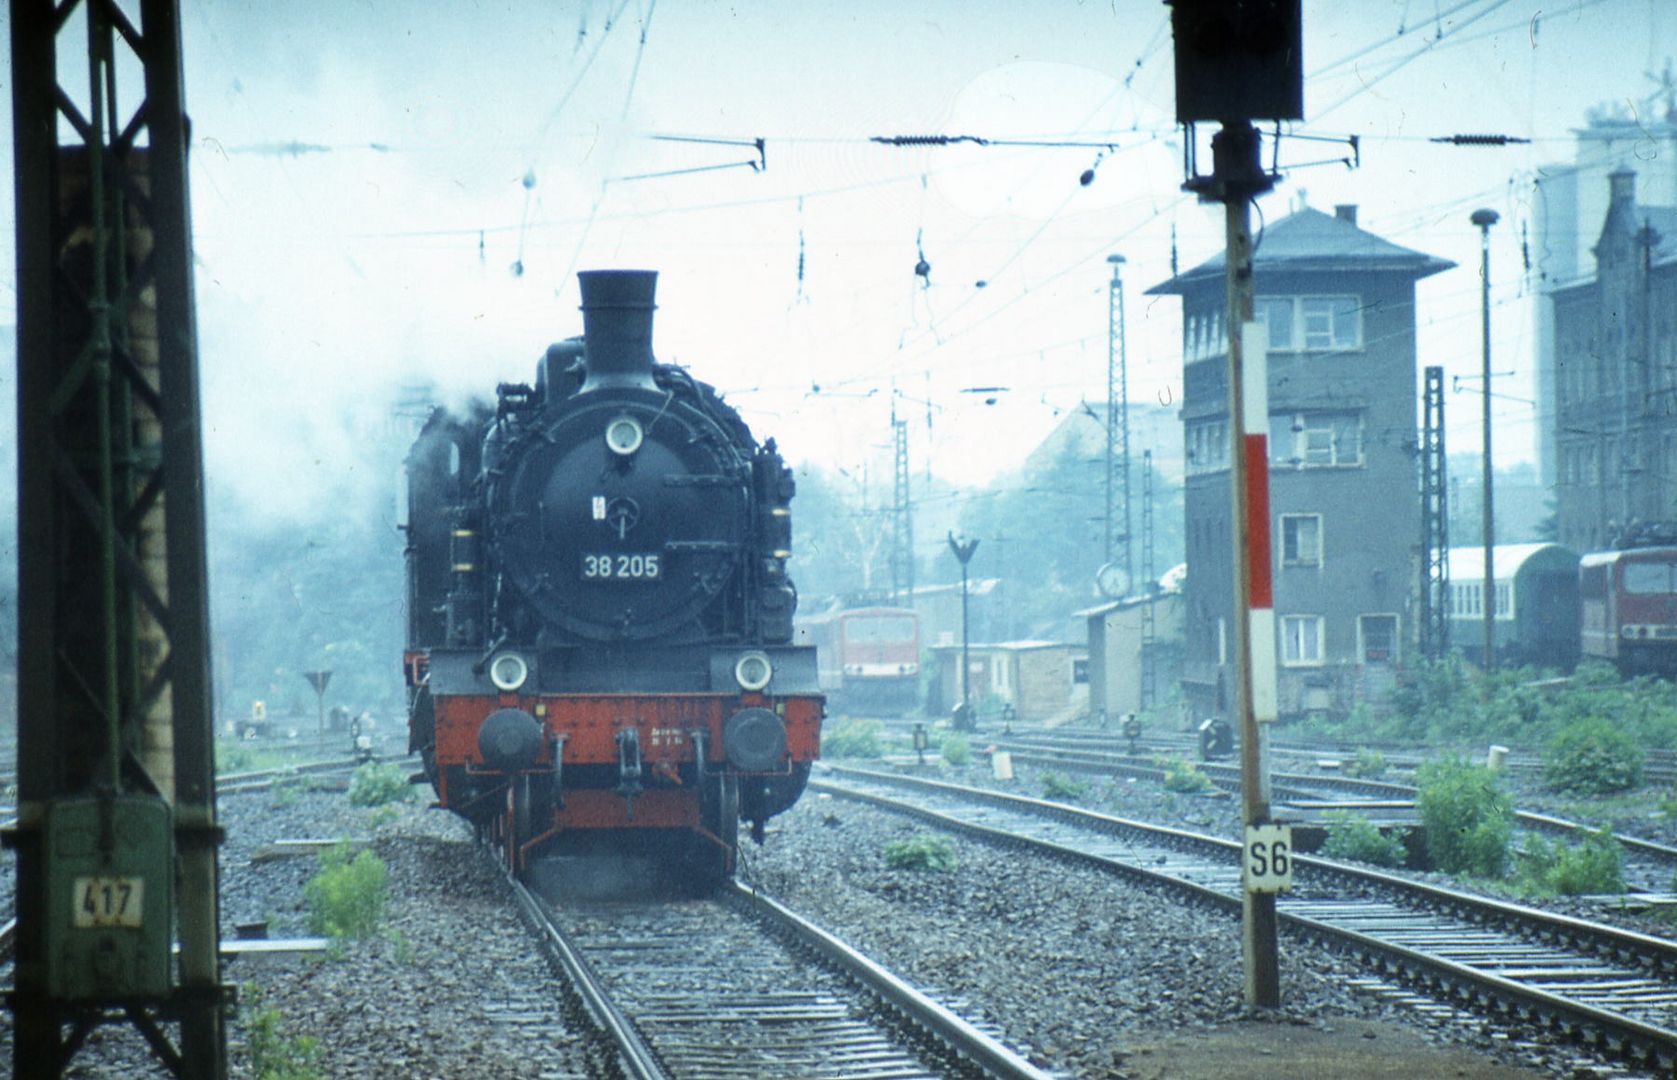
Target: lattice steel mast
{"x":1435,"y":521}
{"x":116,"y":836}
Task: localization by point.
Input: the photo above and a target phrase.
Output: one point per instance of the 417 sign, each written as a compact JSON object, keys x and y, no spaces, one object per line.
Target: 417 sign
{"x":1267,"y":862}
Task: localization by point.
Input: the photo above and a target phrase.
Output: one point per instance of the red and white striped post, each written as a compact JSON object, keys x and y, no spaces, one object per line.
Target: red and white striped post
{"x":1254,"y":594}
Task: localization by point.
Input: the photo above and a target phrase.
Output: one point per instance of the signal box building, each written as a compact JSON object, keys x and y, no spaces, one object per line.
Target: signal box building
{"x":1338,"y":305}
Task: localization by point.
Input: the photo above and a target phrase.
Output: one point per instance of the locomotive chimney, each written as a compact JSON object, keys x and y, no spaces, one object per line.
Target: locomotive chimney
{"x":617,"y":327}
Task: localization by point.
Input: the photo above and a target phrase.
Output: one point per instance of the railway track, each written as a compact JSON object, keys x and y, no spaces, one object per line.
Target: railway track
{"x":1648,"y":863}
{"x":741,"y":987}
{"x":1659,"y":764}
{"x":1612,"y":990}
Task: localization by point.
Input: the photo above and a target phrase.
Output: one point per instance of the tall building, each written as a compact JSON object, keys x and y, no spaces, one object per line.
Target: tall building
{"x":1615,"y":392}
{"x":1569,"y":200}
{"x":1338,"y":305}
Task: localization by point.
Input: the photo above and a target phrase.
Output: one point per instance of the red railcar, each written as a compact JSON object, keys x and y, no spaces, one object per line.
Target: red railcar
{"x":1628,"y":609}
{"x":868,"y":657}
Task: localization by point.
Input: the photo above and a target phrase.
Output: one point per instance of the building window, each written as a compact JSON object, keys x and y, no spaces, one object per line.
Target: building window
{"x":1301,"y":640}
{"x":1204,"y":335}
{"x":1379,"y":638}
{"x":1316,"y":440}
{"x":1311,"y":323}
{"x":1208,"y":446}
{"x":1301,"y":539}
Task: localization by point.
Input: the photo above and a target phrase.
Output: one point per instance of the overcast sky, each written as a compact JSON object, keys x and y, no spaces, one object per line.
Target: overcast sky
{"x":388,"y":191}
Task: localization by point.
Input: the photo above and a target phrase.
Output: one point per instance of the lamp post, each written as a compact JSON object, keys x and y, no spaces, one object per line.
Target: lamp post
{"x":963,"y":550}
{"x":1484,"y":219}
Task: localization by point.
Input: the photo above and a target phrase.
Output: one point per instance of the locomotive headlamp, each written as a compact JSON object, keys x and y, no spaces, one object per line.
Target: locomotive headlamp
{"x":624,"y":435}
{"x":753,"y":671}
{"x":508,"y":672}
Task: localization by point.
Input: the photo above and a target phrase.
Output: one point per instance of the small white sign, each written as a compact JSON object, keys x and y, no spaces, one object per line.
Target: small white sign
{"x":107,"y":901}
{"x":1001,"y":765}
{"x":599,"y":508}
{"x":1267,"y":865}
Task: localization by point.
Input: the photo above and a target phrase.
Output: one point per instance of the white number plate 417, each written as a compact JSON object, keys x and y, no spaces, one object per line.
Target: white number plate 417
{"x":108,"y":901}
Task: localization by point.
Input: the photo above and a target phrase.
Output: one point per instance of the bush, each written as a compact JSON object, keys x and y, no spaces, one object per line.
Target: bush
{"x":1184,"y":777}
{"x":1593,"y":757}
{"x":1368,"y":765}
{"x":956,"y":751}
{"x":854,"y":739}
{"x":1592,"y":867}
{"x":922,"y":852}
{"x":1055,"y":786}
{"x":274,"y":1055}
{"x":289,"y":789}
{"x":1354,"y":837}
{"x":346,"y":898}
{"x":375,"y":785}
{"x":1469,"y":820}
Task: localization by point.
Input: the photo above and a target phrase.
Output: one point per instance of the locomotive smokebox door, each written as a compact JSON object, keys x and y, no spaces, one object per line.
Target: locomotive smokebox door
{"x":109,"y":898}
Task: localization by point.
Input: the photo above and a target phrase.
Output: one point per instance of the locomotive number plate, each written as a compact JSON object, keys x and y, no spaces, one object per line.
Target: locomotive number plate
{"x":107,"y":901}
{"x":621,"y":567}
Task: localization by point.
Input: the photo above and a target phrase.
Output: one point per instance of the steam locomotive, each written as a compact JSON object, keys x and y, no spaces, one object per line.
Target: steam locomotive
{"x":599,"y":613}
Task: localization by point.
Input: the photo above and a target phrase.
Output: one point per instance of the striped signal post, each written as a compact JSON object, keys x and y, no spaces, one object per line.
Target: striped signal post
{"x":1254,"y":602}
{"x":1235,"y":64}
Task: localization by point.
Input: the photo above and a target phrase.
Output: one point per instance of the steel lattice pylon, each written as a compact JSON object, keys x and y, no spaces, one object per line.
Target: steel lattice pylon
{"x":902,"y":516}
{"x":1434,"y":623}
{"x":114,"y":681}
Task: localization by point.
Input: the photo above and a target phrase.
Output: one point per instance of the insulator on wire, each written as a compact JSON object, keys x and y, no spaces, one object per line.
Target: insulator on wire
{"x":1479,"y":140}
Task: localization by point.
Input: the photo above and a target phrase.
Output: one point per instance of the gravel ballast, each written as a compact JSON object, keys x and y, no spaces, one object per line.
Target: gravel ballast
{"x":452,"y":987}
{"x":1094,"y":974}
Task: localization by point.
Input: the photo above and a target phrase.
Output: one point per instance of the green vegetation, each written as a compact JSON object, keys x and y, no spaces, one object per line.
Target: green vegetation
{"x":1055,"y":786}
{"x":1450,"y":702}
{"x":346,"y":897}
{"x":274,"y":1055}
{"x":287,"y":790}
{"x":1593,"y":867}
{"x":956,"y":751}
{"x":921,"y":852}
{"x":1183,"y":776}
{"x":374,"y":784}
{"x":1367,"y":765}
{"x":854,"y":739}
{"x":1468,"y":818}
{"x":1592,"y":756}
{"x":1355,"y":838}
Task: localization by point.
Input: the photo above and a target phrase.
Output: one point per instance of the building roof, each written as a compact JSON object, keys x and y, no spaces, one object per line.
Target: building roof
{"x":1468,"y":563}
{"x":1311,"y":240}
{"x":975,"y":587}
{"x":1663,"y":220}
{"x":1008,"y":646}
{"x":1127,"y":602}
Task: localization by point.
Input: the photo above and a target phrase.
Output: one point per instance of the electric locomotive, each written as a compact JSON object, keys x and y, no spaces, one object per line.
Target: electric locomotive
{"x":599,"y":612}
{"x":867,"y":658}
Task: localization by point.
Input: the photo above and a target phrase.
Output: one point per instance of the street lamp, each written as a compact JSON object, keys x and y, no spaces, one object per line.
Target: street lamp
{"x":963,"y":550}
{"x":1484,"y":219}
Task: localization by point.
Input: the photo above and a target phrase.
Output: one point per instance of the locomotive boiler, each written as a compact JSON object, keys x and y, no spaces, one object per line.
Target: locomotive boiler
{"x":599,"y":613}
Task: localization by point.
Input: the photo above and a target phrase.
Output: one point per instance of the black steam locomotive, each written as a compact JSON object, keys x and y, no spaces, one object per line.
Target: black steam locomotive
{"x":599,"y":614}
